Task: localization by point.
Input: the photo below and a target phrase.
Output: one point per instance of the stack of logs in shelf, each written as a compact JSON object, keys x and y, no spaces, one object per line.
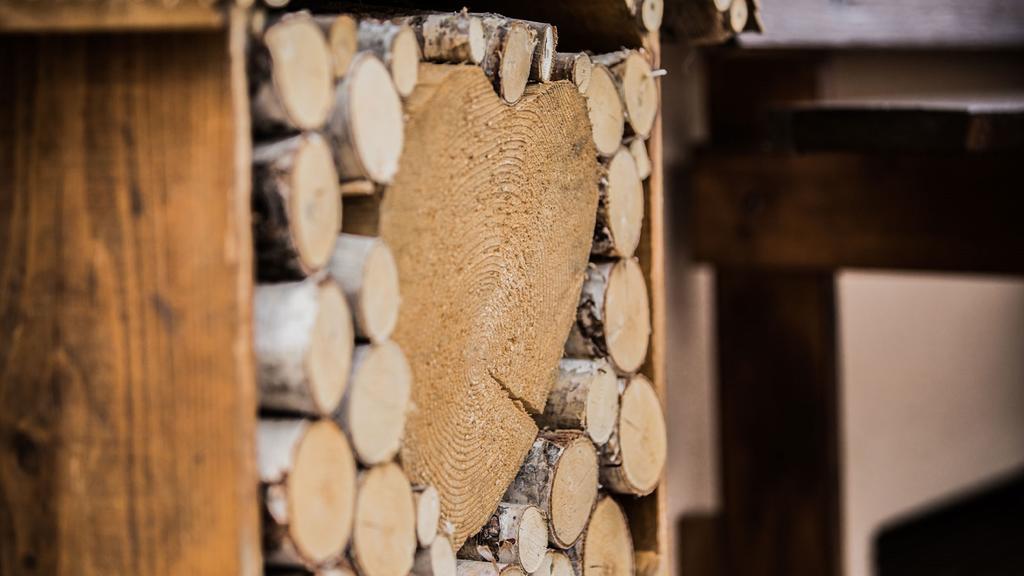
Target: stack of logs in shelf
{"x":327,"y":113}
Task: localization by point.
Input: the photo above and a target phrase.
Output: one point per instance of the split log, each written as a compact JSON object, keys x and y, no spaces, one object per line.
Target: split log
{"x":606,"y":114}
{"x":291,"y":79}
{"x":504,"y":328}
{"x":738,"y":14}
{"x":575,"y":67}
{"x":307,"y":479}
{"x":613,"y":319}
{"x":397,"y":47}
{"x":638,"y":149}
{"x":428,"y":516}
{"x":620,"y":210}
{"x":555,"y":564}
{"x":454,"y":38}
{"x":633,"y":459}
{"x":560,"y":476}
{"x":477,"y":568}
{"x":384,"y":535}
{"x":364,"y":268}
{"x":342,"y":34}
{"x":508,"y":56}
{"x":638,"y":91}
{"x":374,"y":407}
{"x":606,"y":549}
{"x":514,"y":534}
{"x":303,"y":346}
{"x":585,"y":397}
{"x":296,"y":207}
{"x":365,"y":128}
{"x":437,"y":559}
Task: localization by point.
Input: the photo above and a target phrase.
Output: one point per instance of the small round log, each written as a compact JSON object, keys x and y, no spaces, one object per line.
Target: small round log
{"x":478,"y":568}
{"x":633,"y":459}
{"x":585,"y":397}
{"x":342,"y":34}
{"x":650,"y":14}
{"x":509,"y":55}
{"x":365,"y":269}
{"x":454,"y":38}
{"x":514,"y":534}
{"x":374,"y":407}
{"x":738,"y":14}
{"x":555,"y":563}
{"x":606,"y":549}
{"x":575,"y":67}
{"x":638,"y":149}
{"x":384,"y":535}
{"x":620,"y":210}
{"x":605,"y":108}
{"x":397,"y":47}
{"x":428,"y":516}
{"x":437,"y":559}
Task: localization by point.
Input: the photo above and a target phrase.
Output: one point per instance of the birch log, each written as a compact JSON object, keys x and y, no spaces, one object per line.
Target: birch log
{"x":307,"y":480}
{"x":544,"y":51}
{"x":374,"y":407}
{"x":508,"y":56}
{"x":396,"y":46}
{"x":585,"y":397}
{"x":342,"y":32}
{"x":296,"y":207}
{"x":560,"y":476}
{"x":365,"y":128}
{"x":364,"y":268}
{"x":620,"y":209}
{"x":514,"y":534}
{"x":613,"y":319}
{"x":384,"y":535}
{"x":455,"y":38}
{"x":606,"y":549}
{"x":575,"y":67}
{"x":556,"y":563}
{"x":428,"y":516}
{"x":303,"y":346}
{"x":605,"y":108}
{"x":478,"y":568}
{"x":437,"y":559}
{"x":633,"y":459}
{"x":290,"y":76}
{"x":638,"y":149}
{"x":636,"y":86}
{"x":738,"y":14}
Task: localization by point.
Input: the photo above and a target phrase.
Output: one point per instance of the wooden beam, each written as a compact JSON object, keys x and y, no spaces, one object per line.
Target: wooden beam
{"x":826,"y":211}
{"x":778,"y":425}
{"x":127,"y":409}
{"x":20,"y":16}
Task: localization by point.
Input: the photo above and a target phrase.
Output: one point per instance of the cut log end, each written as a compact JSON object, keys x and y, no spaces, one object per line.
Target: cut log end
{"x":641,"y":441}
{"x":621,"y":210}
{"x":737,"y":17}
{"x":373,"y":411}
{"x":330,"y":351}
{"x":437,"y":559}
{"x":532,"y":539}
{"x":543,"y":54}
{"x":585,"y":397}
{"x":650,"y":14}
{"x":342,"y":38}
{"x":638,"y":149}
{"x":366,"y":127}
{"x":405,"y":61}
{"x":607,"y":547}
{"x":455,"y":38}
{"x":384,"y":535}
{"x":555,"y":564}
{"x":297,"y":94}
{"x":480,"y":568}
{"x":514,"y":534}
{"x":575,"y":67}
{"x":605,"y":109}
{"x":515,"y":62}
{"x":428,"y":517}
{"x":365,"y":269}
{"x":639,"y":93}
{"x":573,"y":491}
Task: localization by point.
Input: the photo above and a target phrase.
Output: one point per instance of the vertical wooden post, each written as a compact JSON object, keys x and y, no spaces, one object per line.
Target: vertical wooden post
{"x":778,"y":422}
{"x":127,"y":407}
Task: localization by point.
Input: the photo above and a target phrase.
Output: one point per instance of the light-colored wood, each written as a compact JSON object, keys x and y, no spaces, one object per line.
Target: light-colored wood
{"x":639,"y":92}
{"x":620,"y":211}
{"x":638,"y":149}
{"x":373,"y":410}
{"x":606,"y":548}
{"x":614,"y":316}
{"x":365,"y":127}
{"x":128,"y":398}
{"x":308,"y":478}
{"x":365,"y":269}
{"x":514,"y":534}
{"x":384,"y":536}
{"x":544,"y":52}
{"x":297,"y":212}
{"x":342,"y":32}
{"x":503,"y":307}
{"x":633,"y":460}
{"x":428,"y":516}
{"x":508,"y":56}
{"x":555,"y":563}
{"x":477,"y":568}
{"x":356,"y":188}
{"x":291,"y":76}
{"x":650,"y":13}
{"x":303,"y":344}
{"x":738,"y":13}
{"x":454,"y":38}
{"x":29,"y":16}
{"x":396,"y":46}
{"x":437,"y":559}
{"x":585,"y":397}
{"x":606,"y":114}
{"x":575,"y":67}
{"x":560,"y":476}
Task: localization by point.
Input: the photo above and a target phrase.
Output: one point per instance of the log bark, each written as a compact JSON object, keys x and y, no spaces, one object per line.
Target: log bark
{"x":307,"y":480}
{"x":397,"y":47}
{"x":636,"y":86}
{"x":508,"y":56}
{"x":560,"y":476}
{"x":454,"y":38}
{"x":638,"y":149}
{"x":437,"y":559}
{"x":384,"y":535}
{"x":296,"y":208}
{"x":365,"y":128}
{"x":544,"y":51}
{"x":303,"y":345}
{"x":477,"y":568}
{"x":342,"y":32}
{"x":620,"y":209}
{"x":606,"y":549}
{"x":364,"y":268}
{"x":633,"y":459}
{"x":428,"y":516}
{"x":290,"y":76}
{"x":613,"y":319}
{"x":585,"y":397}
{"x":461,"y":277}
{"x":606,"y":113}
{"x":514,"y":534}
{"x":575,"y":67}
{"x":373,"y":410}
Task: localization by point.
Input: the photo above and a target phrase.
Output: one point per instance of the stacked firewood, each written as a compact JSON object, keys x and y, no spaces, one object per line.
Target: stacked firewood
{"x":716,"y":21}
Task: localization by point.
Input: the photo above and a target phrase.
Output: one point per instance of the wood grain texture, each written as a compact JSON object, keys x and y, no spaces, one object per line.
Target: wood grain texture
{"x":18,"y":16}
{"x":127,"y":406}
{"x":922,"y":212}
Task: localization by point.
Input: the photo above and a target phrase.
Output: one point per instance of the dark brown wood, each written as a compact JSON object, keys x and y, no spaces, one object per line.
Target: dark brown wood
{"x":127,"y":408}
{"x":777,"y":423}
{"x":20,"y":16}
{"x":697,"y":548}
{"x":879,"y":127}
{"x":926,"y":212}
